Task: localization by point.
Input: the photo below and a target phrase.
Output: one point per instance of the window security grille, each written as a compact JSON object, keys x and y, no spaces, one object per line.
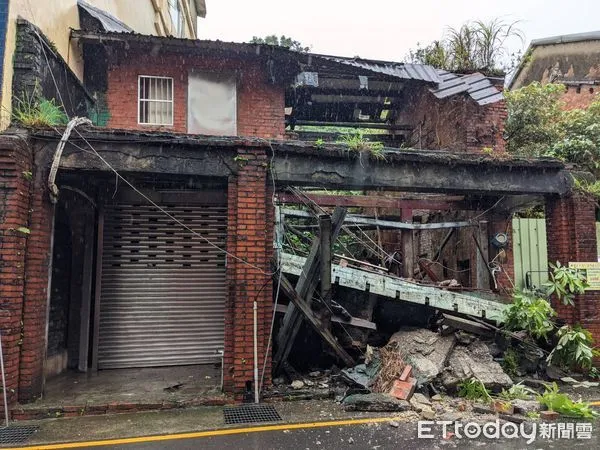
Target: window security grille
{"x":155,"y":100}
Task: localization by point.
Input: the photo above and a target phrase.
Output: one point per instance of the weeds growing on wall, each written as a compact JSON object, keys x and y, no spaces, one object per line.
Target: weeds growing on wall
{"x":32,"y":111}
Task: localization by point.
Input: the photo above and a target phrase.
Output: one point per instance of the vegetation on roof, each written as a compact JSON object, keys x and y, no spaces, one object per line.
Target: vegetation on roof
{"x":475,"y":46}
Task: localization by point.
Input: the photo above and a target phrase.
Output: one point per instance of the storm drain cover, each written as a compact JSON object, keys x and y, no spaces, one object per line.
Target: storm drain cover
{"x":16,"y":434}
{"x":250,"y":414}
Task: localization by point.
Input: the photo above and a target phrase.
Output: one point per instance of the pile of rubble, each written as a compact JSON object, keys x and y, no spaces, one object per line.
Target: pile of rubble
{"x":423,"y":360}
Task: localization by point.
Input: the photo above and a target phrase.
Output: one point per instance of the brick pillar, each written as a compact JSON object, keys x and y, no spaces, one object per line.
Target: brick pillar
{"x":15,"y":167}
{"x":250,"y":237}
{"x":37,"y":267}
{"x":571,"y":231}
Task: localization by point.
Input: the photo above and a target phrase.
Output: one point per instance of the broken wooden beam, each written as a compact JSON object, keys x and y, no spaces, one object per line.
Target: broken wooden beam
{"x":480,"y":304}
{"x":354,"y":321}
{"x":304,"y":308}
{"x":307,"y":284}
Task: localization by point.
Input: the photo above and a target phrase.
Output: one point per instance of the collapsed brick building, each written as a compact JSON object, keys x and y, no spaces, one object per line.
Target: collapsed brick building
{"x":162,"y":236}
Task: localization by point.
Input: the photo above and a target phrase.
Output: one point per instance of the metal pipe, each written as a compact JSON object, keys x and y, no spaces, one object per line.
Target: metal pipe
{"x":255,"y":311}
{"x":3,"y":383}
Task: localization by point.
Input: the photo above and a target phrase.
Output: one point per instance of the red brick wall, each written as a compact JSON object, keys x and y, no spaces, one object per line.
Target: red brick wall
{"x":15,"y":159}
{"x":250,"y":238}
{"x":456,"y":123}
{"x":24,"y":259}
{"x":485,"y":126}
{"x":571,"y":229}
{"x":580,"y":97}
{"x":260,"y":104}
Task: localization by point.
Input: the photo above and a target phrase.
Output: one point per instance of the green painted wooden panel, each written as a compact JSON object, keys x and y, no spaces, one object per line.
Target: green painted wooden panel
{"x":530,"y":251}
{"x":598,"y":238}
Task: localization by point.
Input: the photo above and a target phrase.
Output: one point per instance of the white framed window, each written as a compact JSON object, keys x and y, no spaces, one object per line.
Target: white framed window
{"x":176,"y":18}
{"x":155,"y":100}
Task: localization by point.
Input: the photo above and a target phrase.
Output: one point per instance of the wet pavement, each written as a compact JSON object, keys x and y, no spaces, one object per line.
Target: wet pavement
{"x":359,"y":436}
{"x":131,"y":385}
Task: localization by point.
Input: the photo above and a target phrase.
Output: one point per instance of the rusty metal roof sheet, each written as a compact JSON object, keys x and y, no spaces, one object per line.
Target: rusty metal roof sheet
{"x":476,"y":85}
{"x":108,"y":21}
{"x":405,"y":71}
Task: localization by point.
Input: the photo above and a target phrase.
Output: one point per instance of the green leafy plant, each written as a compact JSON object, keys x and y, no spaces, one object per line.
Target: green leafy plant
{"x":356,"y":141}
{"x":517,"y":391}
{"x":33,"y":111}
{"x":594,"y":373}
{"x":510,"y":362}
{"x":473,"y":389}
{"x":320,"y":143}
{"x":27,"y":175}
{"x":565,"y":283}
{"x":532,"y":415}
{"x":575,"y":348}
{"x":561,"y":403}
{"x":530,"y":313}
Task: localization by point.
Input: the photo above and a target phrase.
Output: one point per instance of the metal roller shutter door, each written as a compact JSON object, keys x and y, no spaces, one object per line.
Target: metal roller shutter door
{"x":163,"y":289}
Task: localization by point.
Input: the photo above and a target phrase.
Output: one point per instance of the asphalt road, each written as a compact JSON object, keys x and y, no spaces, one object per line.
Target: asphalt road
{"x":347,"y":436}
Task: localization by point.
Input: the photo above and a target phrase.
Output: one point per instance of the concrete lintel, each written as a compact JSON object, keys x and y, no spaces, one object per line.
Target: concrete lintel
{"x":148,"y":157}
{"x":364,"y":172}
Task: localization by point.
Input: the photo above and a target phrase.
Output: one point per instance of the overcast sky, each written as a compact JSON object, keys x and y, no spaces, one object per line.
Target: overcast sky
{"x":386,"y":29}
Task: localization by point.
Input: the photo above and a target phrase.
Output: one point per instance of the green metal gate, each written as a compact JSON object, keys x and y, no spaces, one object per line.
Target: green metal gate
{"x":530,"y":250}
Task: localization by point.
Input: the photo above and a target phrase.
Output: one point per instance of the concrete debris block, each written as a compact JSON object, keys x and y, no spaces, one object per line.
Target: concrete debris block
{"x":472,"y":361}
{"x":308,"y":383}
{"x":403,"y":390}
{"x":427,"y":352}
{"x":525,"y":406}
{"x":451,"y":417}
{"x":464,"y":338}
{"x":549,"y":415}
{"x":437,"y":398}
{"x":393,"y":424}
{"x":555,"y":373}
{"x":420,"y":398}
{"x":479,"y":409}
{"x":513,"y":419}
{"x":375,"y":403}
{"x":277,"y":381}
{"x":530,"y":358}
{"x":427,"y":413}
{"x":314,"y":374}
{"x":297,"y":384}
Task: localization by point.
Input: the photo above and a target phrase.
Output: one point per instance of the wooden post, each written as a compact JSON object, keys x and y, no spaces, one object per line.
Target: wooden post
{"x":305,"y":288}
{"x":408,"y":257}
{"x":304,"y":307}
{"x":483,"y":272}
{"x":325,"y":248}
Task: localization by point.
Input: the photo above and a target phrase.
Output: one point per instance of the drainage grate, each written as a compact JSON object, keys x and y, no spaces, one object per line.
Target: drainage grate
{"x":251,"y":414}
{"x":16,"y":434}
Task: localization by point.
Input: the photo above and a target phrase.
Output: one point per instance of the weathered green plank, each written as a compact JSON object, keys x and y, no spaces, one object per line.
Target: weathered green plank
{"x":400,"y":289}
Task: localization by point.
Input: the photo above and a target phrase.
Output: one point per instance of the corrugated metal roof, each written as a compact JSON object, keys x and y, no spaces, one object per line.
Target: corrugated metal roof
{"x":405,"y":71}
{"x":476,"y":85}
{"x":108,"y":21}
